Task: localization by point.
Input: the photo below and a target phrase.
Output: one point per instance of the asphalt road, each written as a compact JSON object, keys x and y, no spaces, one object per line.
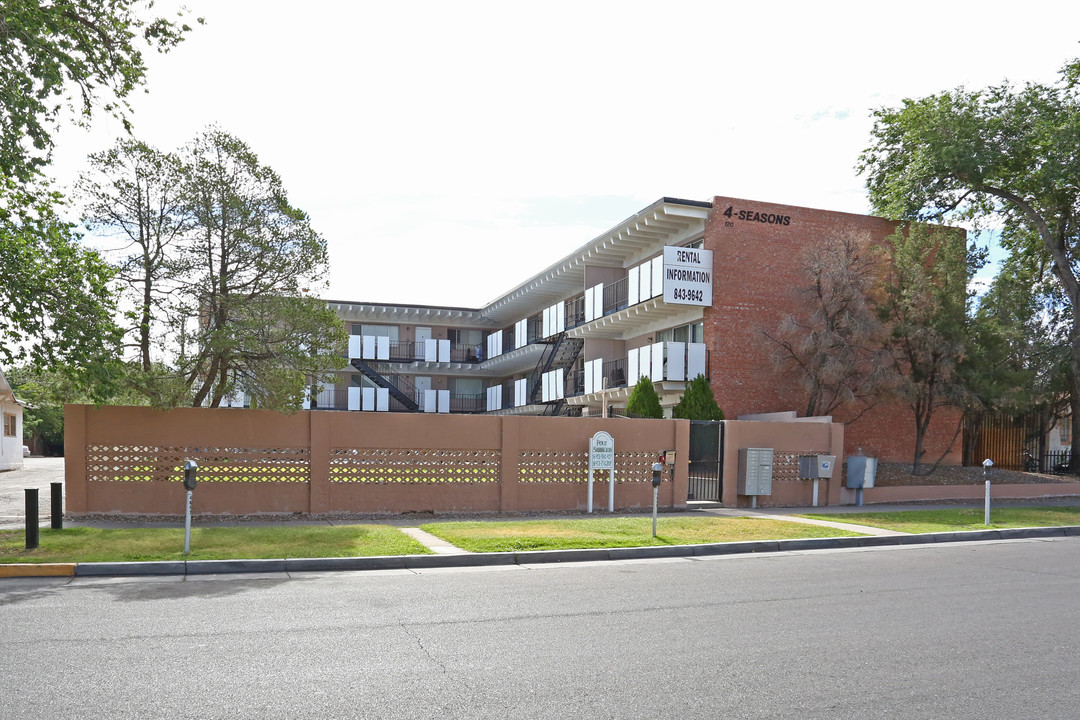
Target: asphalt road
{"x":979,"y":630}
{"x":37,"y":472}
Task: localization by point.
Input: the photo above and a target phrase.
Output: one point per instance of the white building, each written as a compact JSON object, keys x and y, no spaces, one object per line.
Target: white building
{"x":11,"y":443}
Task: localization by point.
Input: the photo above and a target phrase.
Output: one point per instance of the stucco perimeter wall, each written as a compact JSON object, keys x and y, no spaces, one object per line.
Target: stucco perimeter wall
{"x":998,"y":491}
{"x":129,"y":460}
{"x":788,"y":440}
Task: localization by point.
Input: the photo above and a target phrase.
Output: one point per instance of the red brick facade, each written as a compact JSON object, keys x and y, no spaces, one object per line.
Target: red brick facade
{"x":757,"y":256}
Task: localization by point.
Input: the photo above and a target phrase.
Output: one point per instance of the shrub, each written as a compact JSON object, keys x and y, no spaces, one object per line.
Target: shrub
{"x":643,"y":401}
{"x":698,"y":402}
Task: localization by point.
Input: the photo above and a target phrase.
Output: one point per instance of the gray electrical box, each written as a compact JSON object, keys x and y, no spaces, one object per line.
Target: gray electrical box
{"x":816,"y":467}
{"x":861,"y":472}
{"x":755,"y":471}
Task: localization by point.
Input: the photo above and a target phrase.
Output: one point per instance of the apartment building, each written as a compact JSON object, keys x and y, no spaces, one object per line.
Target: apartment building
{"x":681,"y":288}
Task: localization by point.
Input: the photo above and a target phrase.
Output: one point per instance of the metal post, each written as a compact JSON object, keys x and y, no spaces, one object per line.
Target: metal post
{"x":187,"y":525}
{"x":603,"y":398}
{"x":590,"y":487}
{"x":57,"y":505}
{"x":611,"y":490}
{"x":816,"y":481}
{"x":655,"y":492}
{"x":31,"y":518}
{"x":986,"y":511}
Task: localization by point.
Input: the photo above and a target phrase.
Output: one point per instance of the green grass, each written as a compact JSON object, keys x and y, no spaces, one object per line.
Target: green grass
{"x":618,"y":532}
{"x":85,"y":544}
{"x":928,"y":521}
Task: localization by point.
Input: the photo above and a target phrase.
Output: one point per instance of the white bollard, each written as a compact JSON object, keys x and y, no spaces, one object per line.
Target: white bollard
{"x":986,"y":512}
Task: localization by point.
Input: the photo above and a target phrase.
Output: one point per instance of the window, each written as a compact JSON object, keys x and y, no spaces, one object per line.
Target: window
{"x":390,"y":331}
{"x":9,"y":425}
{"x":460,"y":336}
{"x":694,"y":332}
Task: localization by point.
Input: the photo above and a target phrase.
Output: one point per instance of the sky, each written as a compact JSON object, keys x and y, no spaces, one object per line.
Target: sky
{"x":448,"y":151}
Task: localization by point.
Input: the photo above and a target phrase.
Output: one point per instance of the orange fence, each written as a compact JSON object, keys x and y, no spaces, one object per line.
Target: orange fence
{"x":129,"y":460}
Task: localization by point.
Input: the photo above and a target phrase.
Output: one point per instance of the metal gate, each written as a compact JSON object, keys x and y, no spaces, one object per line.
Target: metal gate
{"x":706,"y":460}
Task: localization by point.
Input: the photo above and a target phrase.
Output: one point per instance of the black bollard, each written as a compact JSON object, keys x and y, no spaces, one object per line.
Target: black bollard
{"x":57,"y":506}
{"x":31,"y":518}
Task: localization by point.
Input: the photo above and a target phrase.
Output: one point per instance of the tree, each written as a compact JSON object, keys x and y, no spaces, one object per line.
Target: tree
{"x":698,"y":402}
{"x":1018,"y":352}
{"x":59,"y":307}
{"x":135,"y":193}
{"x":43,"y":416}
{"x":1003,"y":154}
{"x":924,"y":308}
{"x":69,"y":56}
{"x":252,"y":256}
{"x":643,"y":401}
{"x":833,"y":349}
{"x":64,"y":56}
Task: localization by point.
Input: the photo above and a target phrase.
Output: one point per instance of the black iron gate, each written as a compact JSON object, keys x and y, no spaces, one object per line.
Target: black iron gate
{"x":706,"y":460}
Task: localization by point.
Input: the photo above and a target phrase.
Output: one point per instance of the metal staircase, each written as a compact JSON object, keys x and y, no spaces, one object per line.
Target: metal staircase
{"x":562,"y":352}
{"x":408,"y":399}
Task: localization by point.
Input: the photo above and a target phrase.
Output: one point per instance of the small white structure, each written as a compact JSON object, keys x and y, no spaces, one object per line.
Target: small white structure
{"x":11,"y":442}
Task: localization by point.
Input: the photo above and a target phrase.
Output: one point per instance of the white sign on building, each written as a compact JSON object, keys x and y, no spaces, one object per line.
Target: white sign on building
{"x":688,"y":274}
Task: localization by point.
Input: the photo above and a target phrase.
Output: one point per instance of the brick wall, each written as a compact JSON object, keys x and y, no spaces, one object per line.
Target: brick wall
{"x":758,"y":249}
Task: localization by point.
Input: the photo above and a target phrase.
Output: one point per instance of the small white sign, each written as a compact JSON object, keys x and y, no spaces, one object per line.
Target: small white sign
{"x":688,"y":274}
{"x":601,"y":452}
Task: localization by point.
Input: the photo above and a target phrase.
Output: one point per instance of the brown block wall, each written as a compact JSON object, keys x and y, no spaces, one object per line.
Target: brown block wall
{"x":129,"y":460}
{"x":757,"y":260}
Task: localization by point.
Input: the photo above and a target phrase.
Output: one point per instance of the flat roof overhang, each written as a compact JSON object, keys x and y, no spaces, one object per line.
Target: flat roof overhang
{"x":667,"y":221}
{"x":645,"y":317}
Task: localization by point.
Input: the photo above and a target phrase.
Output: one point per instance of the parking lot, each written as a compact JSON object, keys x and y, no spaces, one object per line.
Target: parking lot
{"x":37,"y":472}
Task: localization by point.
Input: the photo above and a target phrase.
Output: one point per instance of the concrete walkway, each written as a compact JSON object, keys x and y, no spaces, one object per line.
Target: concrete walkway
{"x":435,"y":544}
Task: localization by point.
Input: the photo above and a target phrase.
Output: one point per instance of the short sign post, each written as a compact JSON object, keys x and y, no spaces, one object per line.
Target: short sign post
{"x":31,"y":503}
{"x":657,"y":472}
{"x":987,"y":464}
{"x":602,"y":457}
{"x":189,"y":484}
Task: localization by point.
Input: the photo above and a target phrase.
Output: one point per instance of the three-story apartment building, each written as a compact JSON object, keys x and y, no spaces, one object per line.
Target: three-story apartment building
{"x":682,"y":288}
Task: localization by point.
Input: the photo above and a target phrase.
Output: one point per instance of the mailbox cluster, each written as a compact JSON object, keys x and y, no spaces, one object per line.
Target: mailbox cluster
{"x":755,"y":471}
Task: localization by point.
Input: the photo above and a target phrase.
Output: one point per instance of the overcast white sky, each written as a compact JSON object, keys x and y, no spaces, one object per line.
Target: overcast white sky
{"x":449,"y":150}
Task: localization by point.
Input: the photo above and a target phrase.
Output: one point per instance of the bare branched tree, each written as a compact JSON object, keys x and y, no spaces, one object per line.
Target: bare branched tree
{"x":834,"y":348}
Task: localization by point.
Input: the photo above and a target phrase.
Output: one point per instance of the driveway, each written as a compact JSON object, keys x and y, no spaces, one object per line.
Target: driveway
{"x":36,"y":472}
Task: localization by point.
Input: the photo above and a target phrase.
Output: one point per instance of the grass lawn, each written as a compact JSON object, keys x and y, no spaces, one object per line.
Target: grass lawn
{"x":927,"y":521}
{"x":85,"y":544}
{"x":618,"y":532}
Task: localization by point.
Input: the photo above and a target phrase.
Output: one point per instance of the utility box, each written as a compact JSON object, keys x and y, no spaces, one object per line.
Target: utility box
{"x":861,"y":472}
{"x":755,"y":471}
{"x":816,"y":467}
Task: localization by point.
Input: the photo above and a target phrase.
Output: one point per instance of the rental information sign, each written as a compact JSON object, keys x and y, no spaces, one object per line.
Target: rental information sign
{"x":688,"y":276}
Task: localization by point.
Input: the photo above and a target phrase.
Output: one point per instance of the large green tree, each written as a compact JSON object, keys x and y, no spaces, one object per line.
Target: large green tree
{"x":925,"y":310}
{"x":59,"y":308}
{"x":60,"y":62}
{"x":252,"y":257}
{"x":73,"y":57}
{"x":1006,"y":154}
{"x":134,"y":195}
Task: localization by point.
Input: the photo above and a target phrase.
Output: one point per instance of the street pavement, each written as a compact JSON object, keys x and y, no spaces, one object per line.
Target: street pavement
{"x":963,"y":630}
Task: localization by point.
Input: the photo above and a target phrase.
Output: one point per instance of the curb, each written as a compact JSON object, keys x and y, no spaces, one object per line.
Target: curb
{"x":530,"y":557}
{"x":37,"y":570}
